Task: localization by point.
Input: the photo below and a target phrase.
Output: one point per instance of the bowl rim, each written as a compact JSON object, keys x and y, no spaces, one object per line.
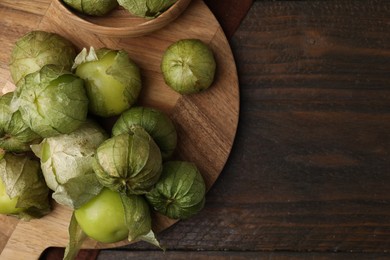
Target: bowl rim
{"x":139,"y":29}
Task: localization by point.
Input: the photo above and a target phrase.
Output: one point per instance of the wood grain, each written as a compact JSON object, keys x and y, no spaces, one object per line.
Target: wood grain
{"x":309,"y":169}
{"x":237,"y":255}
{"x":37,"y":7}
{"x":308,"y":174}
{"x":194,"y":116}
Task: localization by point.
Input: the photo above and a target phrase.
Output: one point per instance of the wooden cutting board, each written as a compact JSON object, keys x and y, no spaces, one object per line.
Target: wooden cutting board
{"x":206,"y":122}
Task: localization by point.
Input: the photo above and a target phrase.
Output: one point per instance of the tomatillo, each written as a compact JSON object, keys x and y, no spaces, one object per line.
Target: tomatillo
{"x":188,"y":66}
{"x":7,"y":205}
{"x":103,"y":217}
{"x":112,"y":80}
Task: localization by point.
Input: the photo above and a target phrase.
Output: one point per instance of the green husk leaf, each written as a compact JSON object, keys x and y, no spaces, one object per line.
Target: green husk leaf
{"x":180,"y":192}
{"x":51,"y":101}
{"x":138,"y":219}
{"x":92,"y":7}
{"x":112,"y":81}
{"x":78,"y":190}
{"x":23,"y":178}
{"x":146,"y":8}
{"x":151,"y":239}
{"x":76,"y":239}
{"x":127,"y":72}
{"x":38,"y":48}
{"x":188,"y":66}
{"x":15,"y":135}
{"x":85,"y":56}
{"x":66,"y":162}
{"x":128,"y":163}
{"x":158,"y":125}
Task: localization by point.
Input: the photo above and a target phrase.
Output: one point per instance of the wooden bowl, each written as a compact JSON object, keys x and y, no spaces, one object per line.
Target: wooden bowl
{"x":119,"y":22}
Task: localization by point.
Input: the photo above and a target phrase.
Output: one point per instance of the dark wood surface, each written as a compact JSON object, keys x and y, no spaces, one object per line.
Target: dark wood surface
{"x":309,"y":173}
{"x":310,"y":167}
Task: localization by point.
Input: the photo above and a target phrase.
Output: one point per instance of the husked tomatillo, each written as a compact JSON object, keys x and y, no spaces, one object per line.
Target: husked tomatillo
{"x":37,"y":49}
{"x":15,"y":135}
{"x":51,"y":101}
{"x":155,"y":122}
{"x":129,"y":163}
{"x":66,"y":162}
{"x":23,"y":191}
{"x":180,"y":192}
{"x":188,"y":66}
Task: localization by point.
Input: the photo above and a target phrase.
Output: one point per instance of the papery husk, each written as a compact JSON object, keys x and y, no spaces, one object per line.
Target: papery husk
{"x":66,"y":162}
{"x":52,"y":101}
{"x":23,"y":179}
{"x":129,"y":163}
{"x":38,"y":48}
{"x":92,"y":7}
{"x":180,"y":192}
{"x":155,"y":122}
{"x":15,"y":135}
{"x":146,"y":8}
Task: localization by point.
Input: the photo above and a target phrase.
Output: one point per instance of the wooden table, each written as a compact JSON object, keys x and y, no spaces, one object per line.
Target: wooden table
{"x":309,"y":173}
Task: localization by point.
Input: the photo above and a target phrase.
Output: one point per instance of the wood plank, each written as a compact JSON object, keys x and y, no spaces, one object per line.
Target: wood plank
{"x":38,"y":7}
{"x":173,"y":255}
{"x":309,"y":169}
{"x":313,"y":134}
{"x":6,"y":230}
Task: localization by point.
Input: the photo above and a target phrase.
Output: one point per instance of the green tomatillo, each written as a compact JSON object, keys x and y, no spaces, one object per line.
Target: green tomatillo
{"x":158,"y":125}
{"x":23,"y":191}
{"x":102,"y":218}
{"x":38,"y":48}
{"x":180,"y":192}
{"x":15,"y":135}
{"x":66,"y":163}
{"x":92,"y":7}
{"x":51,"y":101}
{"x":7,"y":205}
{"x":111,"y":217}
{"x":146,"y":8}
{"x":112,"y":80}
{"x":129,"y":163}
{"x":188,"y":66}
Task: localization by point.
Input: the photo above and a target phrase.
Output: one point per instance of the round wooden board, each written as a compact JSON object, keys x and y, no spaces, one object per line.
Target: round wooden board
{"x":206,"y":122}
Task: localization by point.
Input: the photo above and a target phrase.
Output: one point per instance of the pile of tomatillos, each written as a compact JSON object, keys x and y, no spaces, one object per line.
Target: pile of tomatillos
{"x":53,"y":147}
{"x":141,"y":8}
